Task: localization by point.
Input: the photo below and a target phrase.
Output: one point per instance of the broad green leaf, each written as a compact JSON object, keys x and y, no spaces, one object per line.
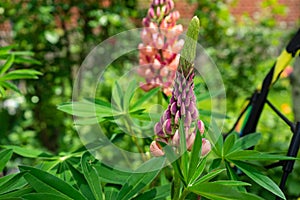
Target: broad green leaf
{"x":81,"y":182}
{"x":232,"y":175}
{"x":110,"y":175}
{"x":86,"y":109}
{"x":129,"y":92}
{"x":160,"y":192}
{"x":255,"y":155}
{"x":246,"y":141}
{"x":216,"y":138}
{"x":117,"y":97}
{"x":12,"y":183}
{"x":17,"y":193}
{"x":141,"y":178}
{"x":259,"y":178}
{"x":198,"y":172}
{"x":91,"y":175}
{"x":26,"y":152}
{"x":216,"y":191}
{"x":215,"y":164}
{"x":195,"y":156}
{"x":209,"y":176}
{"x":48,"y":196}
{"x":43,"y":182}
{"x":229,"y":142}
{"x":5,"y":156}
{"x":7,"y":64}
{"x":144,"y":98}
{"x":111,"y":193}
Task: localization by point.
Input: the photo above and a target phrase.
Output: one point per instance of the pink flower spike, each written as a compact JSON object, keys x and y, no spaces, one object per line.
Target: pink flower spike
{"x":156,"y":149}
{"x":206,"y":147}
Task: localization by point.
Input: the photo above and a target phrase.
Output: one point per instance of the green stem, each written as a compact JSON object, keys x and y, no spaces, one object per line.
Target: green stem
{"x":184,"y":194}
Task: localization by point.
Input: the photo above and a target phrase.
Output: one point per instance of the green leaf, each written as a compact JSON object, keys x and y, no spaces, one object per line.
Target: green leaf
{"x":232,"y":175}
{"x":183,"y":152}
{"x":11,"y":86}
{"x":173,"y":159}
{"x":216,"y":138}
{"x":91,"y":175}
{"x":255,"y":155}
{"x":43,"y":182}
{"x":195,"y":156}
{"x":232,"y":183}
{"x":21,"y":74}
{"x":129,"y":94}
{"x":198,"y":172}
{"x":5,"y":156}
{"x":160,"y":192}
{"x":48,"y":196}
{"x":111,"y":193}
{"x":246,"y":141}
{"x":7,"y":64}
{"x":144,"y":98}
{"x":27,"y":152}
{"x":209,"y":176}
{"x":110,"y":175}
{"x":86,"y":109}
{"x":216,"y":191}
{"x":17,"y":193}
{"x":215,"y":164}
{"x":12,"y":183}
{"x":259,"y":178}
{"x":81,"y":182}
{"x":117,"y":97}
{"x":229,"y":142}
{"x":141,"y":178}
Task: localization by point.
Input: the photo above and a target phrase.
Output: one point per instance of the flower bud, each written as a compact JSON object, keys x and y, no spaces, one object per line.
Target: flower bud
{"x":156,"y":149}
{"x":201,"y":126}
{"x":206,"y":147}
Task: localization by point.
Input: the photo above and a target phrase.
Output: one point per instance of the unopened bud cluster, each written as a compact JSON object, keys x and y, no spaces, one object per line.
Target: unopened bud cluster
{"x":181,"y":109}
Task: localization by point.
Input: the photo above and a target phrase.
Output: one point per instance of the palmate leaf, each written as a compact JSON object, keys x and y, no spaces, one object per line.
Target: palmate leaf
{"x":209,"y":176}
{"x":245,"y":142}
{"x":144,"y":98}
{"x":160,"y":192}
{"x":141,"y":178}
{"x":259,"y":178}
{"x":43,"y":182}
{"x":28,"y":153}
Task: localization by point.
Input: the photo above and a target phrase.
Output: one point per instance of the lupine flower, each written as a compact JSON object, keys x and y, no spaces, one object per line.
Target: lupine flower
{"x":159,"y":56}
{"x":182,"y":107}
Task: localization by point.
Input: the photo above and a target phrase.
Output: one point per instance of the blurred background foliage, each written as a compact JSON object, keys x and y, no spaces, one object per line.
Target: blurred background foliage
{"x":62,"y":33}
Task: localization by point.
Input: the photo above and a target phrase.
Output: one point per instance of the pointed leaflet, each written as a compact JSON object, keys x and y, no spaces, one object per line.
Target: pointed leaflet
{"x":7,"y":64}
{"x":259,"y":178}
{"x":91,"y":175}
{"x":5,"y":155}
{"x":218,"y":191}
{"x":141,"y":178}
{"x":195,"y":156}
{"x":44,"y":182}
